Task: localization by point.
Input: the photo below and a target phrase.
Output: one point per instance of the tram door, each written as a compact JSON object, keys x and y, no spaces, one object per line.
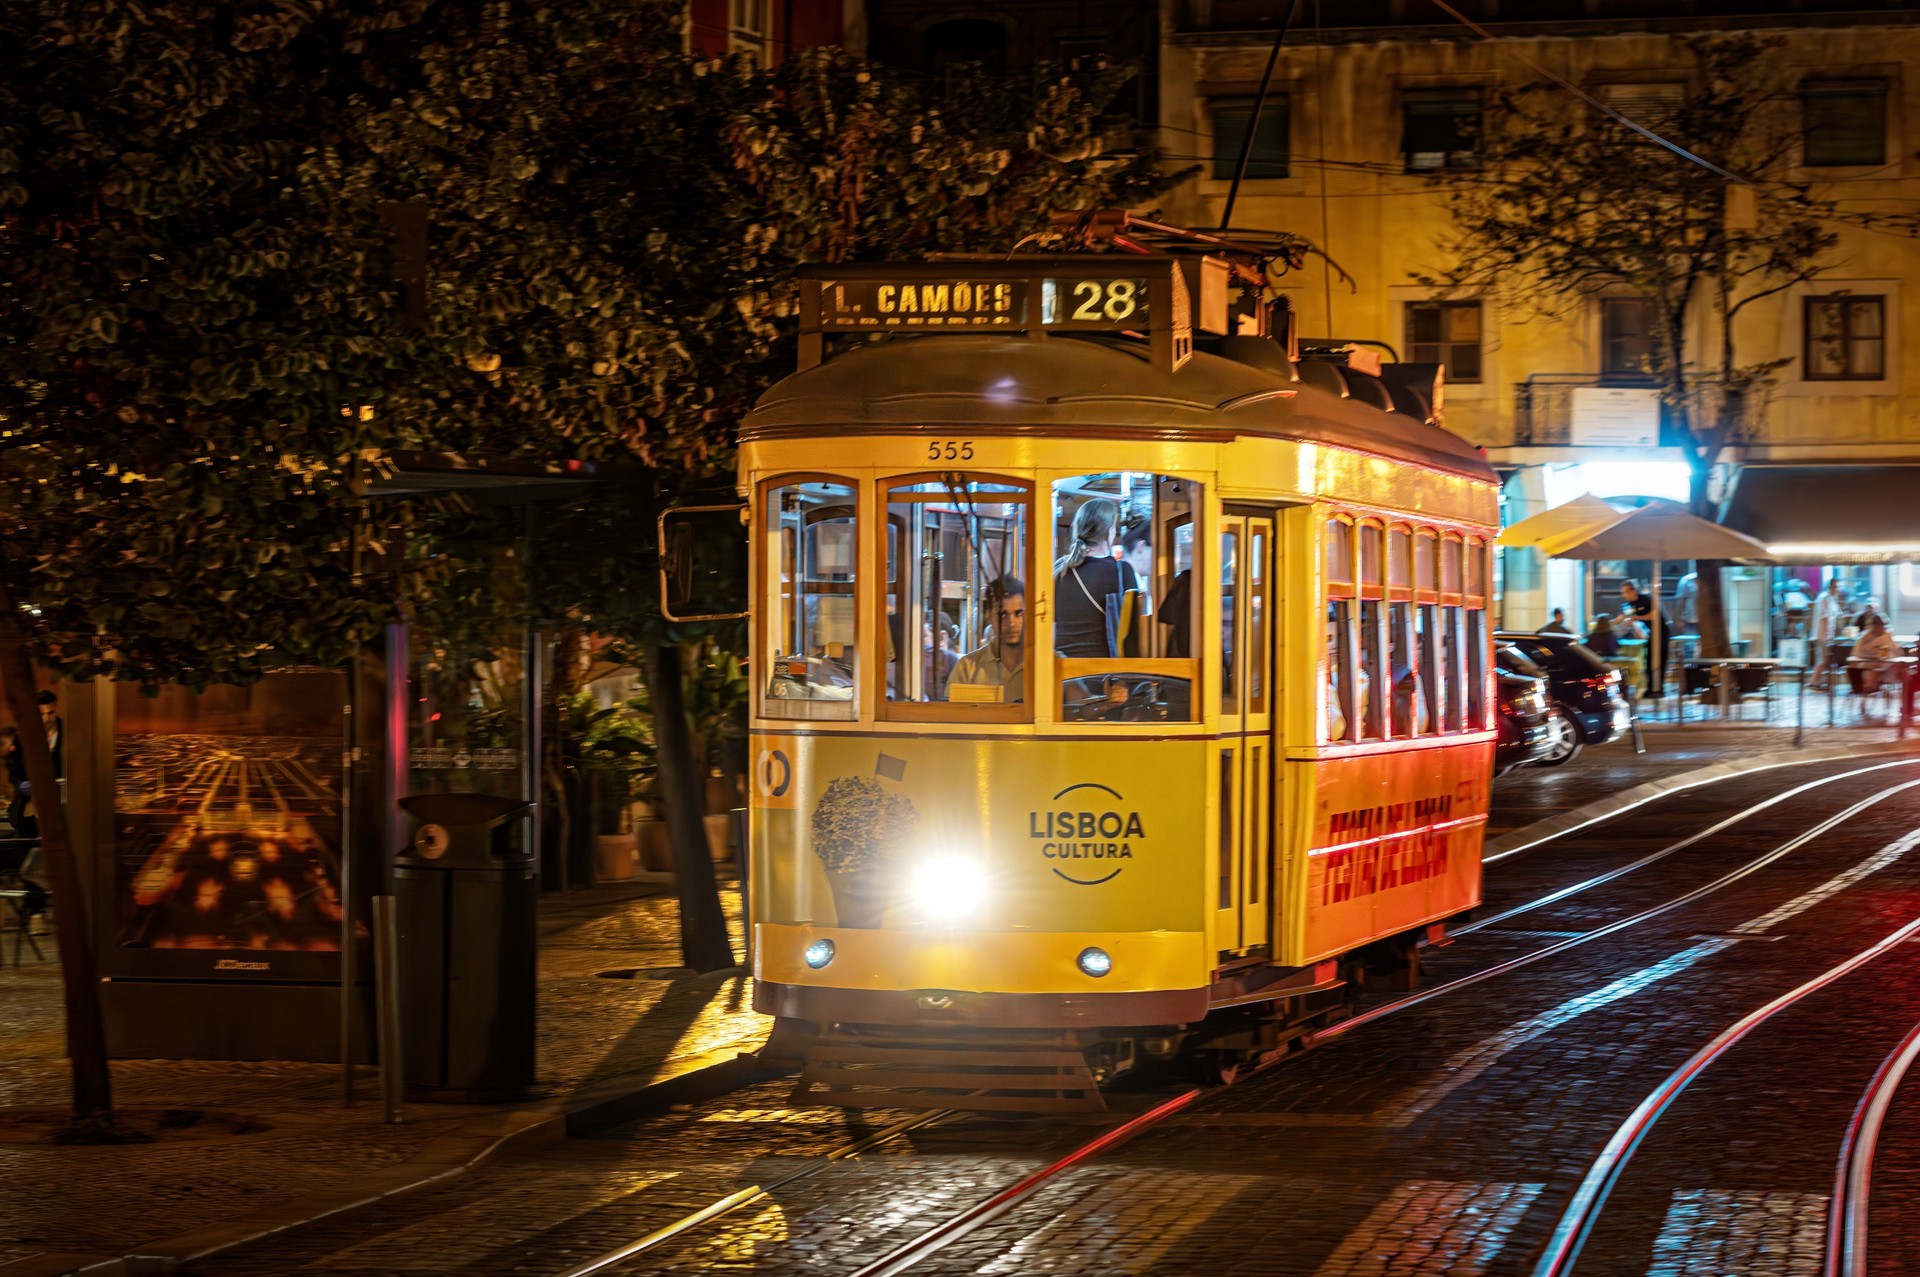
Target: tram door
{"x":1245,"y":758}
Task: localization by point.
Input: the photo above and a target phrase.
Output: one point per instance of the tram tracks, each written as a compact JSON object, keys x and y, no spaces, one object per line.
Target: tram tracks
{"x":973,"y":1218}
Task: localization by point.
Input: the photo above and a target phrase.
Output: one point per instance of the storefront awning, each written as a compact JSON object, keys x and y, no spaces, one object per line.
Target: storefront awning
{"x":1830,"y":514}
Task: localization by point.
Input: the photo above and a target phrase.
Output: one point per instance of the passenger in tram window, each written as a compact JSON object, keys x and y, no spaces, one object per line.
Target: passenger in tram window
{"x":1002,"y":660}
{"x":1136,"y":551}
{"x":1090,"y":586}
{"x":1176,"y":613}
{"x":1558,"y":625}
{"x":940,"y":659}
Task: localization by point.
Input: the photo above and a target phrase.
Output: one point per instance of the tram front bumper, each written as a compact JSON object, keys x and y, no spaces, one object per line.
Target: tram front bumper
{"x":940,"y":976}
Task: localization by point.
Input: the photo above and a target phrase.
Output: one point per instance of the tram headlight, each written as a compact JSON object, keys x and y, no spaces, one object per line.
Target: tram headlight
{"x":1095,"y":961}
{"x":818,"y":954}
{"x":948,"y":888}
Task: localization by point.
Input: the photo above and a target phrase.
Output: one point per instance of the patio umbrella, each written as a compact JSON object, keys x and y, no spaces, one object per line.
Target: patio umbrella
{"x":1584,"y":513}
{"x":1661,"y":530}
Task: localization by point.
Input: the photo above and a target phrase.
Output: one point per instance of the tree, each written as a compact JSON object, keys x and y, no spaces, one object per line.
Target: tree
{"x":208,"y":320}
{"x":1570,"y":203}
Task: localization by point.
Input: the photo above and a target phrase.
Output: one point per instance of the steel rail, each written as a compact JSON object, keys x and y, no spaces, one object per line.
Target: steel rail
{"x":941,"y":1235}
{"x":1590,"y":1199}
{"x":1853,"y":1180}
{"x":746,"y":1196}
{"x":937,"y":1238}
{"x":955,"y":1227}
{"x":1527,"y":959}
{"x":1686,"y":787}
{"x":1578,"y":887}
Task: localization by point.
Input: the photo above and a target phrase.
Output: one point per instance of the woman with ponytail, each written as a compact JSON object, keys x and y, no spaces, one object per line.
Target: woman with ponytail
{"x":1084,"y":577}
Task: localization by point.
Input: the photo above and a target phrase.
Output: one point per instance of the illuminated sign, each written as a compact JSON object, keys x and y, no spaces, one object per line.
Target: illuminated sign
{"x":959,"y":302}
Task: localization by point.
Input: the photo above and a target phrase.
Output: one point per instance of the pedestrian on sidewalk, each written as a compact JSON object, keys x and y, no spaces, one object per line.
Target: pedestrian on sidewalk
{"x":1830,"y":612}
{"x":1641,"y":605}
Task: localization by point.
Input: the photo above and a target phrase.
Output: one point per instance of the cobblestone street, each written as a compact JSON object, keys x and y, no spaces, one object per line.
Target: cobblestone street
{"x":1446,"y":1135}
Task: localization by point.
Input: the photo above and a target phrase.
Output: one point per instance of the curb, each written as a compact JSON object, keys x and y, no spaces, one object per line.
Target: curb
{"x":1528,"y":837}
{"x":595,"y":1107}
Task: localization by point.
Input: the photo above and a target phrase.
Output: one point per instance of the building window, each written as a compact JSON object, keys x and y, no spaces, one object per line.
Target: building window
{"x":1626,"y":338}
{"x":1440,"y":129}
{"x":1846,"y":338}
{"x":1651,"y":106}
{"x":1446,"y":333}
{"x":747,"y":29}
{"x":1845,"y":122}
{"x":1270,"y":151}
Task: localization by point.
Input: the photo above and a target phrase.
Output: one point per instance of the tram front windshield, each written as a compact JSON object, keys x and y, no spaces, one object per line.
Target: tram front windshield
{"x":959,"y":572}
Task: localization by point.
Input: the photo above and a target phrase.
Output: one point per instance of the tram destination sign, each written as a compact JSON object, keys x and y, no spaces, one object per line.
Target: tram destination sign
{"x":1140,"y":295}
{"x":961,"y":302}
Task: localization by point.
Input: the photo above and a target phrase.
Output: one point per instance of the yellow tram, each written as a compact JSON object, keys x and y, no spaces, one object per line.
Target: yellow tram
{"x":1121,"y":682}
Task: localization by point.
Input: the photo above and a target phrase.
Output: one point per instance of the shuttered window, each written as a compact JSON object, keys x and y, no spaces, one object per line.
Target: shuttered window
{"x":1846,"y":338}
{"x":1270,"y":150}
{"x":1844,"y":122}
{"x":1651,"y":106}
{"x":1440,"y":129}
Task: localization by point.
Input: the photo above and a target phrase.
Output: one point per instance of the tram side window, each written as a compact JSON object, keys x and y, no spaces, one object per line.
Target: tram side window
{"x":810,"y":543}
{"x":1478,"y":649}
{"x":1123,"y":604}
{"x":1374,"y":670}
{"x":1346,"y":682}
{"x":956,"y":591}
{"x":1407,"y":664}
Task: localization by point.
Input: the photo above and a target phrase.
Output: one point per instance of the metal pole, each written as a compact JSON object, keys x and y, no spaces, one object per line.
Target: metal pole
{"x":1900,"y":732}
{"x":1800,"y":709}
{"x":744,"y":851}
{"x":1830,"y":691}
{"x":1253,"y":118}
{"x":387,"y":989}
{"x":348,"y":843}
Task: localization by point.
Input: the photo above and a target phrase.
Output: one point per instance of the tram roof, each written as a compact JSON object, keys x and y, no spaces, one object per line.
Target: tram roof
{"x":1094,"y":387}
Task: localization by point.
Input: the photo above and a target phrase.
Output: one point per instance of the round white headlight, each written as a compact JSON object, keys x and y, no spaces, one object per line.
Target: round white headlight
{"x":819,"y":954}
{"x":1094,"y":961}
{"x":948,"y":888}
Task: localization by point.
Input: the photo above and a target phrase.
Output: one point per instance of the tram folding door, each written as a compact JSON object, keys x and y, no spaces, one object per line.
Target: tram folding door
{"x":1244,"y":762}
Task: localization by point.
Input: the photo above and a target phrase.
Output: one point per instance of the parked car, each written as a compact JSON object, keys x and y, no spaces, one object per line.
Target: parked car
{"x":1581,"y":688}
{"x":1525,"y":729}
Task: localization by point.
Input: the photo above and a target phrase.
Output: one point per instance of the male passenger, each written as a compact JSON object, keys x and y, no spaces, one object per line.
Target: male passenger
{"x":1001,"y":662}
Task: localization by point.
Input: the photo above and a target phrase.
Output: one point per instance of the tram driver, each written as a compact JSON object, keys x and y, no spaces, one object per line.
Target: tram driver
{"x":1001,"y":661}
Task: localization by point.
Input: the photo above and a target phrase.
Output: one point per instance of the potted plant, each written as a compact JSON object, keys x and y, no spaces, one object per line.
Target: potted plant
{"x":616,"y":752}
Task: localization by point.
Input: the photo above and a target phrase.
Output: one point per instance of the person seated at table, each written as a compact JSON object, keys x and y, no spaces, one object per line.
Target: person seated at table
{"x":1875,"y":645}
{"x":1601,"y":638}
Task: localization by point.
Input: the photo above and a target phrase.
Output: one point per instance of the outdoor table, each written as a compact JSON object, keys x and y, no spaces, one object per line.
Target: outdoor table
{"x":1723,"y":668}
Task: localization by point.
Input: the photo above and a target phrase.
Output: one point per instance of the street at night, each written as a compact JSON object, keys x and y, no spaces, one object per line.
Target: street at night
{"x":871,"y":637}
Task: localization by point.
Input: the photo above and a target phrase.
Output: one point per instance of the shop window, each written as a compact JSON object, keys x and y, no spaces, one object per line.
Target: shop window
{"x":957,"y":598}
{"x":1845,"y":338}
{"x":809,"y":553}
{"x":1270,"y":154}
{"x":1440,"y":129}
{"x":1843,"y":122}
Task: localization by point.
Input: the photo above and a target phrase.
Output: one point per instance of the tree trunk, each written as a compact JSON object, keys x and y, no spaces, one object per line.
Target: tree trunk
{"x":86,"y":1031}
{"x":704,"y":943}
{"x":1711,"y":600}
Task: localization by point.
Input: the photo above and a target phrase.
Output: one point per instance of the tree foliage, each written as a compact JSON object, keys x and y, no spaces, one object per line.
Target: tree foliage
{"x":206,"y":331}
{"x":1570,"y":204}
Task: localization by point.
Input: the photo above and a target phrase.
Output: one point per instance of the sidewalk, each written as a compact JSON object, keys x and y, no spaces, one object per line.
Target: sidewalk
{"x":1531,"y":794}
{"x":263,"y":1145}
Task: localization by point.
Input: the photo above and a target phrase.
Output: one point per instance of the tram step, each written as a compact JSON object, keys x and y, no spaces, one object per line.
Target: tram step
{"x":905,"y":1072}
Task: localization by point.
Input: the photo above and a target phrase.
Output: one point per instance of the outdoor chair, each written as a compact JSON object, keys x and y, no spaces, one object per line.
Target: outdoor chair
{"x":25,"y":897}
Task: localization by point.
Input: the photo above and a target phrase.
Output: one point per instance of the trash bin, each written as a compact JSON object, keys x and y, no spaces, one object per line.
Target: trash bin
{"x":465,"y":897}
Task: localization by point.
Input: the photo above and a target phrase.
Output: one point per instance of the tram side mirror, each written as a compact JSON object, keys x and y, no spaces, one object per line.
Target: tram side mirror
{"x":703,"y":563}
